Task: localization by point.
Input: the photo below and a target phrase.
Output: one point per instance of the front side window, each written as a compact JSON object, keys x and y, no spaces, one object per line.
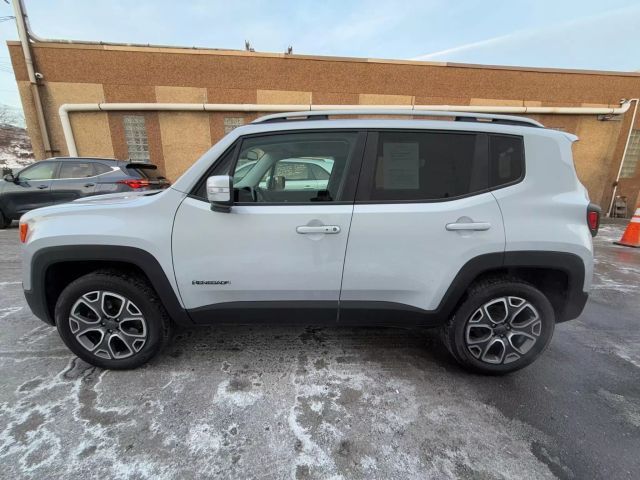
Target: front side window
{"x":76,"y":170}
{"x":42,"y":171}
{"x":428,"y":166}
{"x":293,"y":168}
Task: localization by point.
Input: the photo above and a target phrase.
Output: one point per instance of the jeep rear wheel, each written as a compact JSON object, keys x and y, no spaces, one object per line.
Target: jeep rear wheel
{"x":502,"y":326}
{"x":112,"y":320}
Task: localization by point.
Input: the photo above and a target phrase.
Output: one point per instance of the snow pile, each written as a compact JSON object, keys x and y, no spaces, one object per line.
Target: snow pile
{"x":15,"y":148}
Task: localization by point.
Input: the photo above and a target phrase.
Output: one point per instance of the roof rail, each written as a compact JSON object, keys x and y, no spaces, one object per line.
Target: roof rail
{"x":457,"y":116}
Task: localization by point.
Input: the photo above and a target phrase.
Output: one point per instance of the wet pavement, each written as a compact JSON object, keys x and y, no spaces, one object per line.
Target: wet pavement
{"x":296,"y":402}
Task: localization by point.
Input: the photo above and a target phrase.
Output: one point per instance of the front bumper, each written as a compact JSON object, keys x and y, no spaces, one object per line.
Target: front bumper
{"x":38,"y":306}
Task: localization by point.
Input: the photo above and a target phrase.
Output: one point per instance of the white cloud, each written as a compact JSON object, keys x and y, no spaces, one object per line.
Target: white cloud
{"x":605,"y":41}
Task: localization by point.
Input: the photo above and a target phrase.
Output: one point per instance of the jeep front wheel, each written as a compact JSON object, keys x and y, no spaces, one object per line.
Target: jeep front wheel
{"x":112,"y":320}
{"x":502,"y":326}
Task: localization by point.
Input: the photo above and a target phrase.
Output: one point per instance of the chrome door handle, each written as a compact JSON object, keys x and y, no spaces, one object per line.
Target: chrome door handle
{"x":329,"y":229}
{"x":42,"y":187}
{"x":90,"y":185}
{"x":479,"y":226}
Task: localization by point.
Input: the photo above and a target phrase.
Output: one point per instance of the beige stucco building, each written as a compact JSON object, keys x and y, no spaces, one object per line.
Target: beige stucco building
{"x":78,"y":73}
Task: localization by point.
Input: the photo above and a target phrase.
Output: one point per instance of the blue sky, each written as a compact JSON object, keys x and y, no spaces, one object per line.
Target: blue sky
{"x":589,"y":34}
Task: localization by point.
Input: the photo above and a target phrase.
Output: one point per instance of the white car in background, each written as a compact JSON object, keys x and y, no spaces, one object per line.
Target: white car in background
{"x":291,"y":173}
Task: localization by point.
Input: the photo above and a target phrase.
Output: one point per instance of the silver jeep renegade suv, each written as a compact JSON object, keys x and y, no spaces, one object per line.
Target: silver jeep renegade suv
{"x":475,"y":224}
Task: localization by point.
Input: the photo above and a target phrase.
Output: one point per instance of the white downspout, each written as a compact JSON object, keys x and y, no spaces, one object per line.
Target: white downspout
{"x":66,"y":108}
{"x":26,"y":50}
{"x":624,"y":153}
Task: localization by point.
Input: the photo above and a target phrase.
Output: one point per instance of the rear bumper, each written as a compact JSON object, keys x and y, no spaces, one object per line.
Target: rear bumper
{"x":576,"y":302}
{"x":38,"y":305}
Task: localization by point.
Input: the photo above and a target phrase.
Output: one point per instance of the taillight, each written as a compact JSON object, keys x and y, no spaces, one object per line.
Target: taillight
{"x":24,"y":229}
{"x":134,"y":183}
{"x":593,"y":218}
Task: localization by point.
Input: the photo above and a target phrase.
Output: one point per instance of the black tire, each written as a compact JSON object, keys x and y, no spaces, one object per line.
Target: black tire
{"x":137,"y":294}
{"x":4,"y":221}
{"x":460,"y":333}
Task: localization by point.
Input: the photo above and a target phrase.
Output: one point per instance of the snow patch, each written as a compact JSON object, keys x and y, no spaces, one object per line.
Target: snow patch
{"x":5,"y":312}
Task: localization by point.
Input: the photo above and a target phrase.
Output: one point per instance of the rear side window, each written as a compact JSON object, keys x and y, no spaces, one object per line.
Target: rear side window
{"x":428,"y":166}
{"x":76,"y":170}
{"x":506,"y":160}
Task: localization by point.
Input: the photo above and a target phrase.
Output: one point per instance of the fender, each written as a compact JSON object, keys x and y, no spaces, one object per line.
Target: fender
{"x":43,"y":259}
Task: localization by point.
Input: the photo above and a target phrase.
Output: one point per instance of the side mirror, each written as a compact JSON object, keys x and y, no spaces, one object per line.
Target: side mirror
{"x":10,"y":178}
{"x":219,"y":191}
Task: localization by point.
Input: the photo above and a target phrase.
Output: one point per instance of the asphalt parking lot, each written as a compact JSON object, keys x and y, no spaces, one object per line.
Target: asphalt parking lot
{"x":326,"y":403}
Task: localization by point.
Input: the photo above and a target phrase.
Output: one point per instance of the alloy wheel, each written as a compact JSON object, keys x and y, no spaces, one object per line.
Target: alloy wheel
{"x":503,"y":330}
{"x":108,"y":325}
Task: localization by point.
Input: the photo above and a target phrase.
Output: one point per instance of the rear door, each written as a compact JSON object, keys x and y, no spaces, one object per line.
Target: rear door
{"x":75,"y":179}
{"x":276,"y":249}
{"x":30,"y":190}
{"x":423,"y":209}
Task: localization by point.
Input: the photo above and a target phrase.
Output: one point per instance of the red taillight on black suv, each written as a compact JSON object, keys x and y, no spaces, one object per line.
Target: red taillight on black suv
{"x":593,"y":218}
{"x":135,"y":183}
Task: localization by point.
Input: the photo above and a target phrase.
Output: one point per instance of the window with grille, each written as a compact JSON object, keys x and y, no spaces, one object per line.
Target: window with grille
{"x":631,"y":157}
{"x":231,"y":123}
{"x":135,"y":133}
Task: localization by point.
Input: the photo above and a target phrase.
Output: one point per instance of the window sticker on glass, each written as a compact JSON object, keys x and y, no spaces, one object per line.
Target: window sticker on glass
{"x":401,"y":165}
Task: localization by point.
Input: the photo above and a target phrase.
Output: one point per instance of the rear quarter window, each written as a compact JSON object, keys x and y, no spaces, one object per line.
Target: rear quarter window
{"x":506,"y":160}
{"x":101,"y":168}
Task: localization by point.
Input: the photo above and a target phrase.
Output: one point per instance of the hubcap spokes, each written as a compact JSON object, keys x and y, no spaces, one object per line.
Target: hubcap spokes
{"x":503,"y":330}
{"x":108,"y":325}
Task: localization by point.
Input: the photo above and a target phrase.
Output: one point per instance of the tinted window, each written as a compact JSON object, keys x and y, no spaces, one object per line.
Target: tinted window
{"x":41,"y":171}
{"x":413,"y":166}
{"x":101,"y":168}
{"x":506,"y":163}
{"x":279,"y":168}
{"x":76,"y":170}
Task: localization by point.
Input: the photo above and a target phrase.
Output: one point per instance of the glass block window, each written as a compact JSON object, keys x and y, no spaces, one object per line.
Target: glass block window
{"x":232,"y":122}
{"x":632,"y":156}
{"x":135,"y":133}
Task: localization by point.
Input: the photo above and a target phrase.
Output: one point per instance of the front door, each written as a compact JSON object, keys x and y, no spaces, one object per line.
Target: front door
{"x":423,"y":209}
{"x":281,"y":247}
{"x":31,"y":190}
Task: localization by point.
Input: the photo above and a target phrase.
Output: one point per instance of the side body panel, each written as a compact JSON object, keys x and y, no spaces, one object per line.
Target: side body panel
{"x":254,"y":253}
{"x":142,"y":221}
{"x":547,"y":210}
{"x":22,"y":196}
{"x":402,"y":253}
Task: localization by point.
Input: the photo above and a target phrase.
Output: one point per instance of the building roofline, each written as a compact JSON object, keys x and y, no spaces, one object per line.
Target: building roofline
{"x":243,"y":53}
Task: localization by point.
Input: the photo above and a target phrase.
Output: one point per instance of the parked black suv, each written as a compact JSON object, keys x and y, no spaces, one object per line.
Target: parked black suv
{"x":59,"y":180}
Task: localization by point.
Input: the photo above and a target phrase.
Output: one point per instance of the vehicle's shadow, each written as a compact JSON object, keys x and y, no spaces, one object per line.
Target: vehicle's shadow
{"x":391,"y":348}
